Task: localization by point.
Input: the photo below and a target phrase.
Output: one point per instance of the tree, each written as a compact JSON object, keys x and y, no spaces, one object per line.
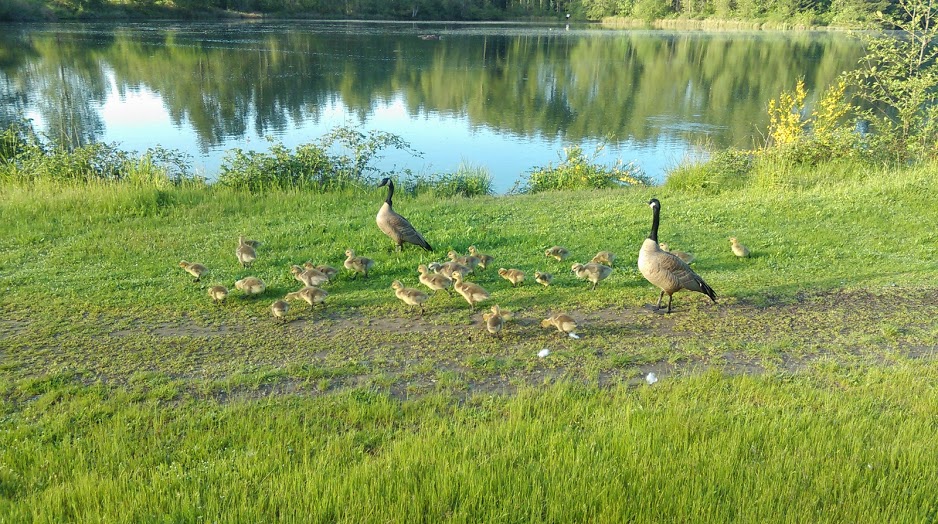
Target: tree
{"x":898,"y":79}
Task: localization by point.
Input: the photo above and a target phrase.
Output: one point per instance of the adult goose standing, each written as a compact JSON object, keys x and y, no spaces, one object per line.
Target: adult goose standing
{"x":666,"y":271}
{"x":396,"y":226}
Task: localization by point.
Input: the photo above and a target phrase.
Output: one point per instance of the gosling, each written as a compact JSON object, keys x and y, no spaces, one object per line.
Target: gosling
{"x":409,"y":295}
{"x":194,"y":269}
{"x":484,"y":260}
{"x":449,"y":269}
{"x":563,"y":322}
{"x":251,"y":286}
{"x":515,"y":276}
{"x":245,"y":253}
{"x":592,"y":272}
{"x":605,"y":258}
{"x":543,"y":279}
{"x":309,"y":277}
{"x":473,"y":293}
{"x":357,"y":264}
{"x":495,"y":320}
{"x":329,"y":271}
{"x":218,"y":294}
{"x":279,"y":310}
{"x":434,"y":281}
{"x":469,"y":261}
{"x":686,"y":257}
{"x":740,"y":250}
{"x":310,"y":294}
{"x":560,"y":253}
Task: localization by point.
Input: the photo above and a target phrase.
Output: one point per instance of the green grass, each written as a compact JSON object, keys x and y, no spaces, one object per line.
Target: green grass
{"x":806,"y":394}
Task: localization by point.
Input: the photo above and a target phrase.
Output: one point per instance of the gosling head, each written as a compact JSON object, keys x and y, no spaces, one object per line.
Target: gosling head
{"x":350,"y":253}
{"x":576,"y":267}
{"x":546,"y":323}
{"x":396,"y":285}
{"x":296,"y":270}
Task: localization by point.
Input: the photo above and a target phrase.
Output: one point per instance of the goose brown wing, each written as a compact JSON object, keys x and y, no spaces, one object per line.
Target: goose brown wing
{"x":407,"y":232}
{"x":685,"y":276}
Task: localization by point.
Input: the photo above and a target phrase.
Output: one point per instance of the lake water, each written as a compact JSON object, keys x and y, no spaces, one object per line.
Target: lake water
{"x":507,"y":97}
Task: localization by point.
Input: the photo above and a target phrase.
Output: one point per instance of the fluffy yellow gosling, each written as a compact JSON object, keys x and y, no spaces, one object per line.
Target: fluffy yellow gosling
{"x":605,"y":258}
{"x":469,"y":261}
{"x":495,"y":320}
{"x":194,"y":269}
{"x":434,"y":281}
{"x":357,"y":264}
{"x":309,"y":277}
{"x":329,"y":271}
{"x":449,"y":269}
{"x":473,"y":293}
{"x":739,"y":250}
{"x":515,"y":276}
{"x":591,"y":272}
{"x":279,"y":310}
{"x":218,"y":293}
{"x":245,"y":253}
{"x":408,"y":295}
{"x":310,"y":294}
{"x":563,"y":322}
{"x":251,"y":286}
{"x":543,"y":279}
{"x":560,"y":253}
{"x":484,"y":260}
{"x":686,"y":257}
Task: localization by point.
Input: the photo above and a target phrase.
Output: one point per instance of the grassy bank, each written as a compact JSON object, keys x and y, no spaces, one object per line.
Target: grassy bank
{"x":807,"y":393}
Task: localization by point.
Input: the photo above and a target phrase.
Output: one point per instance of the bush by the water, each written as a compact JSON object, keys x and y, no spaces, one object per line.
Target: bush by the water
{"x":577,"y":171}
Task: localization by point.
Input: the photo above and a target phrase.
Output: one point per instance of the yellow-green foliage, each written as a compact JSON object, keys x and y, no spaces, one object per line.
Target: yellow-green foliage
{"x":576,"y":171}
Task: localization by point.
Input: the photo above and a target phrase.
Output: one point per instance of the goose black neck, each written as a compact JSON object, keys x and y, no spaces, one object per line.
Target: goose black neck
{"x":390,"y":192}
{"x":654,"y":224}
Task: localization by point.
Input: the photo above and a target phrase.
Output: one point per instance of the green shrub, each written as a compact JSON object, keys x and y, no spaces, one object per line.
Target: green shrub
{"x":577,"y":171}
{"x":467,"y":181}
{"x":308,"y":167}
{"x":721,"y":171}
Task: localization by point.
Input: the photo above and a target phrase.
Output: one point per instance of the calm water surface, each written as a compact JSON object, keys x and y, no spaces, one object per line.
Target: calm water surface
{"x":504,"y":97}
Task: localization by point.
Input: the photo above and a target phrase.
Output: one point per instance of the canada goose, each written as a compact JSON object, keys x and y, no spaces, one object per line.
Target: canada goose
{"x":543,"y":279}
{"x":669,"y":273}
{"x":469,"y":261}
{"x":311,"y":294}
{"x":739,"y":250}
{"x":194,"y":269}
{"x":449,"y":268}
{"x":251,"y":286}
{"x":591,"y":272}
{"x":605,"y":258}
{"x":686,"y":257}
{"x":245,"y":253}
{"x":434,"y":281}
{"x":563,"y":322}
{"x":218,"y":293}
{"x":409,"y":295}
{"x":560,"y":253}
{"x":473,"y":293}
{"x":484,"y":260}
{"x":309,"y":277}
{"x":495,"y":320}
{"x":357,"y":264}
{"x":515,"y":276}
{"x":329,"y":271}
{"x":279,"y":310}
{"x":396,"y":226}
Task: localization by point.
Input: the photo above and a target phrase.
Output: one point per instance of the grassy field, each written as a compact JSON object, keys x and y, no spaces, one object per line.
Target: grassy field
{"x":806,"y":394}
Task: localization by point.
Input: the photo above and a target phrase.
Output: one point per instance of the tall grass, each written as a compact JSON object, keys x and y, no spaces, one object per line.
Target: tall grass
{"x":836,"y":445}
